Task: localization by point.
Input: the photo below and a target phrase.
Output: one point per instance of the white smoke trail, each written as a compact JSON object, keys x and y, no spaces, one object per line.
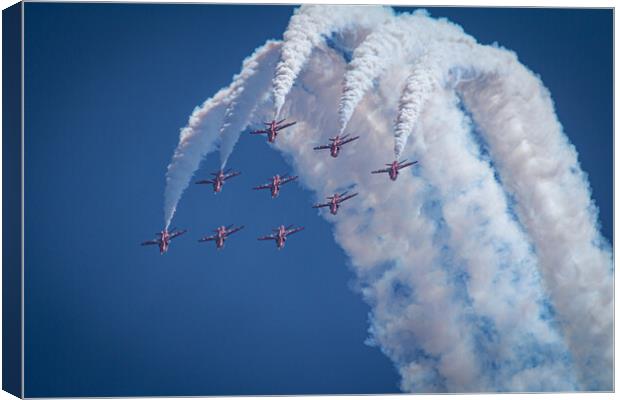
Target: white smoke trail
{"x":309,"y":27}
{"x":200,"y":135}
{"x":444,"y":64}
{"x":449,"y":273}
{"x":249,"y":88}
{"x":511,"y":120}
{"x":457,"y":364}
{"x":499,"y":268}
{"x":392,"y":256}
{"x":499,"y":302}
{"x":417,"y":90}
{"x":196,"y":140}
{"x":539,"y":167}
{"x":395,"y":42}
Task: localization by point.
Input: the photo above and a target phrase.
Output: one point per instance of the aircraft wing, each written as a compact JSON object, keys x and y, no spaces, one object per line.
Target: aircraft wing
{"x":204,"y":181}
{"x":287,"y":180}
{"x":349,"y":140}
{"x":322,"y":147}
{"x":207,"y":238}
{"x":230,"y":232}
{"x":320,"y":205}
{"x":259,"y":132}
{"x":380,"y":171}
{"x":265,"y":186}
{"x":407,"y":164}
{"x":285,"y":125}
{"x":149,"y":242}
{"x":347,"y":197}
{"x":179,"y":233}
{"x":231,"y":175}
{"x":294,"y":230}
{"x":268,"y":237}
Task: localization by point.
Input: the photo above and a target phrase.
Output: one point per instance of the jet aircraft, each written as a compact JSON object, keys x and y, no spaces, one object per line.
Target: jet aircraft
{"x":163,"y":239}
{"x":274,"y":185}
{"x":273,"y":128}
{"x":334,"y":202}
{"x":221,"y":234}
{"x":280,"y":234}
{"x":336,"y":143}
{"x":220,"y":178}
{"x":394,"y":167}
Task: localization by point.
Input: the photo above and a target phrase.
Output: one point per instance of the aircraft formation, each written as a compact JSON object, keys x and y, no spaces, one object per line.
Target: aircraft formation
{"x":281,"y":233}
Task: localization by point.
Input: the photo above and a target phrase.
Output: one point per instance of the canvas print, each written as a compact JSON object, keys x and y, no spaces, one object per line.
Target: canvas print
{"x":224,"y":200}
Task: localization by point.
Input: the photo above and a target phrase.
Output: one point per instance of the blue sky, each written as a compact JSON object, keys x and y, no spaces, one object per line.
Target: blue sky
{"x":107,"y":88}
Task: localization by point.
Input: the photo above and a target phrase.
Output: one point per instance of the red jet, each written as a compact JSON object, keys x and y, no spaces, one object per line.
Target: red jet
{"x":334,"y":202}
{"x":221,"y":234}
{"x":273,"y":128}
{"x":274,"y":185}
{"x":163,"y":239}
{"x":281,"y":234}
{"x":336,"y":143}
{"x":219,"y":179}
{"x":394,"y":168}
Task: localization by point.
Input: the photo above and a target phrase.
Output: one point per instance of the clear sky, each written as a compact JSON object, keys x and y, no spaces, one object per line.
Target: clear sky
{"x":107,"y":88}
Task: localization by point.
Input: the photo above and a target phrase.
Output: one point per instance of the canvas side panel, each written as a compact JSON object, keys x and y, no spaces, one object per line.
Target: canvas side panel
{"x":11,"y":200}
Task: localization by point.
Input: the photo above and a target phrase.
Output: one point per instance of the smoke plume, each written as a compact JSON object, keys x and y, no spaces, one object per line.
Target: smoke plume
{"x":308,"y":28}
{"x":200,"y":136}
{"x":483,"y":264}
{"x":248,"y":87}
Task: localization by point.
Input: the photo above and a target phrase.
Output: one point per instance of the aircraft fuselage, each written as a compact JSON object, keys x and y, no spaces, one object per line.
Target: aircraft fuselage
{"x":273,"y":133}
{"x":333,"y":205}
{"x":217,"y":184}
{"x":335,"y":148}
{"x":281,"y":238}
{"x":164,"y":242}
{"x":221,"y":237}
{"x":275,"y":186}
{"x":394,"y":171}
